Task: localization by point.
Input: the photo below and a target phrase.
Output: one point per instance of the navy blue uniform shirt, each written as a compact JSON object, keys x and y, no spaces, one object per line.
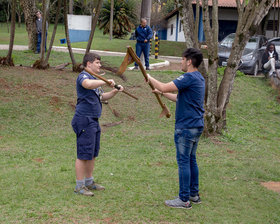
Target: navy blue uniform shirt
{"x":143,"y":33}
{"x":190,"y":98}
{"x":88,"y":102}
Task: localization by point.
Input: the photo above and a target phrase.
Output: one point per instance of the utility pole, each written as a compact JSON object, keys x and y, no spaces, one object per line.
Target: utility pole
{"x":146,"y":7}
{"x":71,"y":5}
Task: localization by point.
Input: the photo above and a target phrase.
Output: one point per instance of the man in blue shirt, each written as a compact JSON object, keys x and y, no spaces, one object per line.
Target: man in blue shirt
{"x":188,"y":124}
{"x":85,"y":123}
{"x":143,"y":35}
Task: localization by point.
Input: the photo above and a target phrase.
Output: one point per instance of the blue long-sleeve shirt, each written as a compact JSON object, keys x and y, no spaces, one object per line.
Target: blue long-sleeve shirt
{"x":143,"y":33}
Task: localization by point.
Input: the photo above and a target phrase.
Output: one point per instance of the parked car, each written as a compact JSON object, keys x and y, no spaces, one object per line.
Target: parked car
{"x":250,"y":62}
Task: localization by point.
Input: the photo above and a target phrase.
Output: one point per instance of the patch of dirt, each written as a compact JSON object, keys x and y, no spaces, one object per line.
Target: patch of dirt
{"x":216,"y":141}
{"x":55,"y":100}
{"x":4,"y":84}
{"x":38,"y":160}
{"x":271,"y":185}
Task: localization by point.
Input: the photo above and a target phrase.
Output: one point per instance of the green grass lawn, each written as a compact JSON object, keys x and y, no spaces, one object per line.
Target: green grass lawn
{"x":100,"y":41}
{"x":137,"y":159}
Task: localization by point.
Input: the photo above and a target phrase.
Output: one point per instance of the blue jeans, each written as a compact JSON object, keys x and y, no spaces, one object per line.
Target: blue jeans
{"x":39,"y":40}
{"x":186,"y":141}
{"x":145,"y":48}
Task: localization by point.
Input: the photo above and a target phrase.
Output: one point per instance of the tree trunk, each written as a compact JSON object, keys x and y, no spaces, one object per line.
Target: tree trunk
{"x":75,"y":67}
{"x":211,"y":35}
{"x":71,"y":5}
{"x":111,"y":19}
{"x":58,"y":9}
{"x":45,"y":4}
{"x":29,"y":9}
{"x":12,"y":35}
{"x":93,"y":24}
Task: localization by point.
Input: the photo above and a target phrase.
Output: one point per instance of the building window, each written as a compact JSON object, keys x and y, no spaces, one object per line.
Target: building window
{"x":270,"y":25}
{"x":171,"y":30}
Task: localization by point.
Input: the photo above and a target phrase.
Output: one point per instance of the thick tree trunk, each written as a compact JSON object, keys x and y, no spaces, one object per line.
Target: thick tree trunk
{"x":29,"y":9}
{"x":93,"y":24}
{"x":211,"y":35}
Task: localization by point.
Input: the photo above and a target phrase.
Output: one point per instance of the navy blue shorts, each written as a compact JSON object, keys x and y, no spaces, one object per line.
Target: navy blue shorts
{"x":88,"y":132}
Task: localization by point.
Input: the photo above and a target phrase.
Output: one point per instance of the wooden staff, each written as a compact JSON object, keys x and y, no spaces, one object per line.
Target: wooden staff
{"x":165,"y":110}
{"x":109,"y":83}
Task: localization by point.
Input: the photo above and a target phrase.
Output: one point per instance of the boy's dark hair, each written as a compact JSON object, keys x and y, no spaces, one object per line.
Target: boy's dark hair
{"x":91,"y":57}
{"x":195,"y":55}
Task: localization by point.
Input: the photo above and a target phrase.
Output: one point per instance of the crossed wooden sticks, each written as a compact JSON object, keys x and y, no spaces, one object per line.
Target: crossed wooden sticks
{"x":132,"y":57}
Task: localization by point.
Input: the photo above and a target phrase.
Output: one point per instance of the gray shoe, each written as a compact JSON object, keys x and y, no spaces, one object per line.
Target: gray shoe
{"x":195,"y":199}
{"x":178,"y":203}
{"x":83,"y":191}
{"x":135,"y":68}
{"x":95,"y":186}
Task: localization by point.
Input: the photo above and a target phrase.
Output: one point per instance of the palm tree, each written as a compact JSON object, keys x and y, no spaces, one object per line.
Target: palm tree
{"x":122,"y":20}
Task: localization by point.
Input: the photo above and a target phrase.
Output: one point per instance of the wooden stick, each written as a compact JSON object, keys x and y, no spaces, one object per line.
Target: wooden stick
{"x":109,"y":83}
{"x":165,"y":110}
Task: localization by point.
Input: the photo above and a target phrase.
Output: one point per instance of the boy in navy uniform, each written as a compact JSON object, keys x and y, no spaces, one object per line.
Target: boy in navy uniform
{"x":188,"y":124}
{"x":85,"y":123}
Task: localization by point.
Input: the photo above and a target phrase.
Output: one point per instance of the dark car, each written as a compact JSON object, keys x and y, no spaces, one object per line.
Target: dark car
{"x":250,"y":62}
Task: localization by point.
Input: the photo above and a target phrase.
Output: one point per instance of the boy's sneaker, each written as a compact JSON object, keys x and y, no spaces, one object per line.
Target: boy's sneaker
{"x":178,"y":203}
{"x":83,"y":191}
{"x":195,"y":199}
{"x":95,"y":186}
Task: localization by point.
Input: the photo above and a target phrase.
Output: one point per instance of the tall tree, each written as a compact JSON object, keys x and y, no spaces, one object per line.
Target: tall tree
{"x":95,"y":16}
{"x":250,"y":15}
{"x":75,"y":66}
{"x":58,"y":9}
{"x":29,"y":9}
{"x":8,"y":60}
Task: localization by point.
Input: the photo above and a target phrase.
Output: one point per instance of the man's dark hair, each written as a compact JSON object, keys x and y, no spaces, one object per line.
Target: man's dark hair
{"x":91,"y":57}
{"x":195,"y":55}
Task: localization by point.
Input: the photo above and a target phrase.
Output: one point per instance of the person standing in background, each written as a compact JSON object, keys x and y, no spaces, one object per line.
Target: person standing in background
{"x":143,"y":35}
{"x":39,"y":22}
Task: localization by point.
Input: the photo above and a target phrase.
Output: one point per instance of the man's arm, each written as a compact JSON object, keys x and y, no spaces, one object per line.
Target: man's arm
{"x":163,"y":87}
{"x":170,"y":96}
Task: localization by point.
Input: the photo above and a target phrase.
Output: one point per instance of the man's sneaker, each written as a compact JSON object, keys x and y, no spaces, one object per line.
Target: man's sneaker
{"x":135,"y":68}
{"x":147,"y":68}
{"x":83,"y":191}
{"x":195,"y":199}
{"x":95,"y":186}
{"x":178,"y":203}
